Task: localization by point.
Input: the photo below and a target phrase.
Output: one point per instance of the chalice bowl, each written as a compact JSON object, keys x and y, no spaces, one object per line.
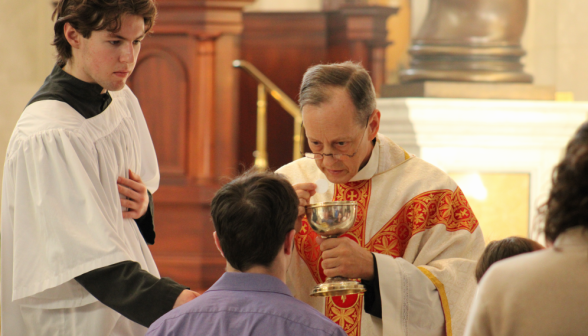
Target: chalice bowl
{"x":331,"y":220}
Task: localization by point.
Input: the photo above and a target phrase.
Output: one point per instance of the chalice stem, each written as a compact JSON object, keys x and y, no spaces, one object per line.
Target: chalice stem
{"x":336,"y":279}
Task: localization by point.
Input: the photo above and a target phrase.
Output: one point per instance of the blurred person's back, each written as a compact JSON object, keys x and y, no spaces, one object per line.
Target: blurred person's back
{"x":544,"y":292}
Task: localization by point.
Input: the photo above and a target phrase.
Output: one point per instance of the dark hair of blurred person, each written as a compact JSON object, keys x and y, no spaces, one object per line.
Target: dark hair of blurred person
{"x":567,"y":205}
{"x":502,"y":249}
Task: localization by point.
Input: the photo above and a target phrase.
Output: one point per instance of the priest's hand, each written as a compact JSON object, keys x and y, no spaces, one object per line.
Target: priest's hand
{"x":185,"y":297}
{"x":304,"y":191}
{"x":137,"y":198}
{"x":344,"y":257}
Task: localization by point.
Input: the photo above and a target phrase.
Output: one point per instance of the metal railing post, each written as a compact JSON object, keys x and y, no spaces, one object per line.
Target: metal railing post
{"x":267,"y":86}
{"x":261,"y":143}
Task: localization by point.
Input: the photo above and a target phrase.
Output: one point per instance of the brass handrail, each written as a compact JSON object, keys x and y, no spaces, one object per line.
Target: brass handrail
{"x":266,"y":85}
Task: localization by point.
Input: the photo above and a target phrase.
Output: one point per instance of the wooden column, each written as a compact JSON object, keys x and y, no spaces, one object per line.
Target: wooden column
{"x":359,"y":33}
{"x":188,"y":91}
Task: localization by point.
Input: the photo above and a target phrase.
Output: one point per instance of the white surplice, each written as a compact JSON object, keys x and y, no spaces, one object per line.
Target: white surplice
{"x":425,"y":238}
{"x":61,"y":215}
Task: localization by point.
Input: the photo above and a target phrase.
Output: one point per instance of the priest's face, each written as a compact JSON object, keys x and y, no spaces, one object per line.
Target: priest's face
{"x":108,"y":58}
{"x":332,"y":128}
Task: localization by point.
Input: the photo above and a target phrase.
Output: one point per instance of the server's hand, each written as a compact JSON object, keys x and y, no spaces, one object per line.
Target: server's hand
{"x":137,"y":198}
{"x":185,"y":297}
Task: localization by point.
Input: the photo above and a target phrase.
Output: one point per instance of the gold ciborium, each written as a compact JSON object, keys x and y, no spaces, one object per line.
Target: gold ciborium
{"x":331,"y":220}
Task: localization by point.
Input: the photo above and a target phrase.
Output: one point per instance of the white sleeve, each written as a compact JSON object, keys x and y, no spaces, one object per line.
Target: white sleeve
{"x":411,"y":304}
{"x":149,"y":168}
{"x":62,"y":222}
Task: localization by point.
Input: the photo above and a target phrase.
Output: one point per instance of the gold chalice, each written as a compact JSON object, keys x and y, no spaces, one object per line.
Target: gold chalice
{"x":331,"y":220}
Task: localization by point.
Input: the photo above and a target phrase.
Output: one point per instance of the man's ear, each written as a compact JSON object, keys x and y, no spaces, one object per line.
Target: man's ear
{"x":289,"y":242}
{"x":72,"y":36}
{"x":374,"y":124}
{"x":217,"y":243}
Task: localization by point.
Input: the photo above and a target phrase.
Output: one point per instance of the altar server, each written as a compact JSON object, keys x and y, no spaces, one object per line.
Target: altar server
{"x":415,"y":241}
{"x":78,"y":177}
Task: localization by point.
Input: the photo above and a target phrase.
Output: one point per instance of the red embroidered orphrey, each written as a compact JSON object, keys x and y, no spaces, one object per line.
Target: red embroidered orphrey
{"x":420,"y":213}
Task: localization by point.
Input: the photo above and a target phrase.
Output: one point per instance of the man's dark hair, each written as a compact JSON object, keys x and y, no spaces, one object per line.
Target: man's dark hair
{"x":567,"y":205}
{"x":87,"y":16}
{"x":502,"y":249}
{"x":252,"y":216}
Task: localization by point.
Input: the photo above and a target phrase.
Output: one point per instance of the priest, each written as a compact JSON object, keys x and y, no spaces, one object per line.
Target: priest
{"x":415,"y":241}
{"x":76,"y":193}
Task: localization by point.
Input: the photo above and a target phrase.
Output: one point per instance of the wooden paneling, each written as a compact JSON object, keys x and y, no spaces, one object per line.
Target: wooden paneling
{"x":284,"y":45}
{"x":187,"y":90}
{"x":162,"y":66}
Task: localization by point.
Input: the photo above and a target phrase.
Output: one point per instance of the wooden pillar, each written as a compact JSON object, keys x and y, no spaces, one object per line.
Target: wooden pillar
{"x":359,"y":33}
{"x":188,"y":91}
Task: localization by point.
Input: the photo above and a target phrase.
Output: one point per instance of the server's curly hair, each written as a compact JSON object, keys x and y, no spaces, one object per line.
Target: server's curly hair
{"x":87,"y":16}
{"x":567,"y":205}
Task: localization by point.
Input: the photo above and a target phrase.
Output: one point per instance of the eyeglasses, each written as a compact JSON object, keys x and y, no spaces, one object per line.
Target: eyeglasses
{"x":320,"y":156}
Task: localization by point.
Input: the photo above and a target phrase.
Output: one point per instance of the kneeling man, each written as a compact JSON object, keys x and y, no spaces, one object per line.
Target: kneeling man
{"x":254,"y":217}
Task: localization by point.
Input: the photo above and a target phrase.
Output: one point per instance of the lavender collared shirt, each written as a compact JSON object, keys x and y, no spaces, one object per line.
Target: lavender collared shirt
{"x":245,"y":304}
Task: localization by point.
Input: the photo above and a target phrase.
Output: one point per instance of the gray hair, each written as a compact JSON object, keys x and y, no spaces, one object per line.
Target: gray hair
{"x":353,"y":77}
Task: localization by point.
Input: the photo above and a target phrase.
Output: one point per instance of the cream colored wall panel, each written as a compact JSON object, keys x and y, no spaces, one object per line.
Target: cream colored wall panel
{"x":542,"y":22}
{"x":542,"y":64}
{"x":26,"y":58}
{"x":572,"y":70}
{"x":499,"y":201}
{"x":418,"y":10}
{"x":556,"y":41}
{"x":572,"y":29}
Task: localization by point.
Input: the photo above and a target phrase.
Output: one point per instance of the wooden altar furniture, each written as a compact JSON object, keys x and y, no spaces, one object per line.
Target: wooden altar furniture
{"x":188,"y":91}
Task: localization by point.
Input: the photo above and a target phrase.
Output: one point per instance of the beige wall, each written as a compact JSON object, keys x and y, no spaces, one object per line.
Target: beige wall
{"x":556,"y":39}
{"x":26,"y":58}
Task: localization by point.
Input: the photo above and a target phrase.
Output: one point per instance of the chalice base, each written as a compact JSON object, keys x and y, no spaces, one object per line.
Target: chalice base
{"x":338,"y":286}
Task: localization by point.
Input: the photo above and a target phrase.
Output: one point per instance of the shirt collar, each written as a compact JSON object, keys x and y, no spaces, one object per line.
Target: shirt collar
{"x":576,"y":237}
{"x":86,"y":98}
{"x":254,"y":282}
{"x":370,"y":169}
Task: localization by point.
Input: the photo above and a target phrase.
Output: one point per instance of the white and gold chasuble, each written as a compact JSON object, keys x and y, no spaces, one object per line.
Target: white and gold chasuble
{"x":424,"y":235}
